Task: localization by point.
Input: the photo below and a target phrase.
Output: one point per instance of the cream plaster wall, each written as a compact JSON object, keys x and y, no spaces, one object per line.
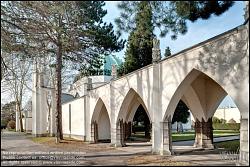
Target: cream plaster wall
{"x":77,"y":118}
{"x":104,"y":125}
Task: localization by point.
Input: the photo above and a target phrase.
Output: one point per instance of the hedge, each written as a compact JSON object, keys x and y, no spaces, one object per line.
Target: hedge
{"x":226,"y":126}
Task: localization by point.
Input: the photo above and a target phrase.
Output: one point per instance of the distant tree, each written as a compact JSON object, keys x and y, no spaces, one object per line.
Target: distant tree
{"x":181,"y":114}
{"x":167,"y":52}
{"x":8,"y":111}
{"x":15,"y":82}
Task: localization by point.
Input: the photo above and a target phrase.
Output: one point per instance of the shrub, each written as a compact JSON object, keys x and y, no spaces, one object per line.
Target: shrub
{"x":216,"y":120}
{"x":226,"y":126}
{"x":223,"y":121}
{"x":3,"y":123}
{"x":11,"y":124}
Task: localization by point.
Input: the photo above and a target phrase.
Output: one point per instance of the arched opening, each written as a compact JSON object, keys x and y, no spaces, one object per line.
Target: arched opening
{"x":181,"y":120}
{"x":133,"y":121}
{"x":202,"y":96}
{"x":141,"y":127}
{"x":100,"y":124}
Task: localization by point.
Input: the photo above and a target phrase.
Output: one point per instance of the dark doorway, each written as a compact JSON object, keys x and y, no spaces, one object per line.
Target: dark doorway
{"x":141,"y":127}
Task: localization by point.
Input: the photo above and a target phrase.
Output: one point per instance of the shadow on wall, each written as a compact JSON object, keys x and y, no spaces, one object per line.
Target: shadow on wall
{"x":228,"y":58}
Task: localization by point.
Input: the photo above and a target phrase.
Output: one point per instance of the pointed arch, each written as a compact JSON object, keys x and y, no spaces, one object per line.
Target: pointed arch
{"x":191,"y":87}
{"x":101,"y":122}
{"x":128,"y":107}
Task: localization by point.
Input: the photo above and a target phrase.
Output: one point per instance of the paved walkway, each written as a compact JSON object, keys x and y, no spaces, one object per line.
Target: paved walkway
{"x":18,"y":142}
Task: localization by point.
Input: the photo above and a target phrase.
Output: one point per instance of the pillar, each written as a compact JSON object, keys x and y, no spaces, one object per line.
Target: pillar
{"x":244,"y":142}
{"x":157,"y":126}
{"x":127,"y":130}
{"x":94,"y":132}
{"x":207,"y":134}
{"x":167,"y":139}
{"x":204,"y":134}
{"x":122,"y":133}
{"x":119,"y":140}
{"x":198,"y":134}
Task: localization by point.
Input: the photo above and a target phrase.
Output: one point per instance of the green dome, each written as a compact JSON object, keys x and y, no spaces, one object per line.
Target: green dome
{"x":109,"y":61}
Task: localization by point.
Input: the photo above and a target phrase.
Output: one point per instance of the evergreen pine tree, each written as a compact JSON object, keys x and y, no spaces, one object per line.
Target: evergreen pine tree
{"x":139,"y":46}
{"x":181,"y":114}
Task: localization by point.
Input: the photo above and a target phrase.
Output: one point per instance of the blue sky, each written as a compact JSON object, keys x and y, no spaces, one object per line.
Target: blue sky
{"x":197,"y":32}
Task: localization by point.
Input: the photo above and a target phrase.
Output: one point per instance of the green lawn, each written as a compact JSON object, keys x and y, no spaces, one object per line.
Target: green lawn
{"x":228,"y":145}
{"x":190,"y":135}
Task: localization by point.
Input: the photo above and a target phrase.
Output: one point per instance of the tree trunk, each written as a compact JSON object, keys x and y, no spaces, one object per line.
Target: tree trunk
{"x":59,"y":134}
{"x":177,"y":130}
{"x":20,"y":116}
{"x":58,"y":94}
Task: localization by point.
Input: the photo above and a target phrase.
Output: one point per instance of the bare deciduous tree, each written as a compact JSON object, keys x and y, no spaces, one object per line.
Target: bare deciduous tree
{"x":18,"y":73}
{"x":70,"y":30}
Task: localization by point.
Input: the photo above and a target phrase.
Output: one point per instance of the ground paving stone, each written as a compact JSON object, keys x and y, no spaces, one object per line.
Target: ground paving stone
{"x":19,"y":142}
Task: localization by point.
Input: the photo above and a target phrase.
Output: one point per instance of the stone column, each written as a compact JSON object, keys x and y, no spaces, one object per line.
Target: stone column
{"x":114,"y":71}
{"x":125,"y":130}
{"x":122,"y":134}
{"x":89,"y":84}
{"x":94,"y":132}
{"x":204,"y":134}
{"x":198,"y":134}
{"x":167,"y":139}
{"x":244,"y":142}
{"x":207,"y":134}
{"x":129,"y":128}
{"x":118,"y":132}
{"x":156,"y":52}
{"x":157,"y":129}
